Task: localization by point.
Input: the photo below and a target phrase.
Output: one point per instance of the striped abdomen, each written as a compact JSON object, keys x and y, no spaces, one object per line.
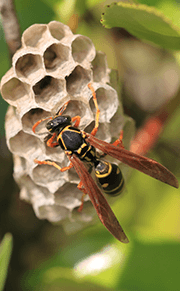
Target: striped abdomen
{"x":109,"y":177}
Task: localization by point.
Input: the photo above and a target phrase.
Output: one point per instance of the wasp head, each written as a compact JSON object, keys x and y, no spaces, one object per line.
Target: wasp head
{"x":58,"y":123}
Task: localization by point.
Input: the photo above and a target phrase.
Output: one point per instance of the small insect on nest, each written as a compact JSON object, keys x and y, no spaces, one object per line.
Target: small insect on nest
{"x":59,"y":97}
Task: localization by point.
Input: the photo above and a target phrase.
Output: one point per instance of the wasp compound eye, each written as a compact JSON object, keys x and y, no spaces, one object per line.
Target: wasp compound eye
{"x":49,"y":125}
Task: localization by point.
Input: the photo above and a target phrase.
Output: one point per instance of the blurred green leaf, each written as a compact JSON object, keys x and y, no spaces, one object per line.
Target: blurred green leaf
{"x":143,"y":22}
{"x":65,"y":9}
{"x":5,"y":254}
{"x":149,"y":2}
{"x":152,"y":267}
{"x":32,"y":11}
{"x":92,"y":3}
{"x":170,"y":8}
{"x":65,"y":279}
{"x":77,"y":247}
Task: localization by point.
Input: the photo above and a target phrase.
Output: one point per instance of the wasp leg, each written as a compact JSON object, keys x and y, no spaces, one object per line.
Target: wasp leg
{"x":119,"y":141}
{"x":51,"y":141}
{"x":61,"y":110}
{"x":38,"y":122}
{"x":54,"y":165}
{"x":95,"y":129}
{"x":81,"y":188}
{"x":77,"y":120}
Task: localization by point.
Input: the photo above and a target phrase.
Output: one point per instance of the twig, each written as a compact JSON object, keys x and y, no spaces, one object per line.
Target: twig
{"x":148,"y":135}
{"x":10,"y":25}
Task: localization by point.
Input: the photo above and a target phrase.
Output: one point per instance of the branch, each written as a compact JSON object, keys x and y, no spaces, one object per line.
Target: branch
{"x":148,"y":135}
{"x":10,"y":25}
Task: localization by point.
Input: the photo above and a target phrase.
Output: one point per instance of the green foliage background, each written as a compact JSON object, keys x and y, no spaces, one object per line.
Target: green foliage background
{"x":148,"y":210}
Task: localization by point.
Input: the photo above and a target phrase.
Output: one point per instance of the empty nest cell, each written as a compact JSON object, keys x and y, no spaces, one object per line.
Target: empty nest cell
{"x":107,"y":102}
{"x":29,"y":66}
{"x":99,"y":67}
{"x":31,"y":117}
{"x":82,"y":49}
{"x":14,"y":90}
{"x":77,"y":80}
{"x":34,"y":35}
{"x":49,"y":91}
{"x":59,"y":30}
{"x":55,"y":56}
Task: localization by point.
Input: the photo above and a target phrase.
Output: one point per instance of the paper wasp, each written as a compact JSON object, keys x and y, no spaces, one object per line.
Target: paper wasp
{"x":80,"y":147}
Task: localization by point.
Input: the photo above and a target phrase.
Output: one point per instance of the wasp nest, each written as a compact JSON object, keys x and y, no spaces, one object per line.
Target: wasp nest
{"x":52,"y":67}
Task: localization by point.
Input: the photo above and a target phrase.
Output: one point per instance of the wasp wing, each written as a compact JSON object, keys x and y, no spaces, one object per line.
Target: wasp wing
{"x":99,"y":202}
{"x":143,"y":164}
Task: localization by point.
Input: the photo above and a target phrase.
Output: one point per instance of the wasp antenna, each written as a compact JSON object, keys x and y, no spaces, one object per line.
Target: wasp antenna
{"x":95,"y":129}
{"x":63,"y":108}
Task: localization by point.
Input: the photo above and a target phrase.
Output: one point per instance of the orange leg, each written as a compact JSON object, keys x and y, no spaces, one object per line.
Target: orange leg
{"x":119,"y":141}
{"x":51,"y":142}
{"x":61,"y":110}
{"x":77,"y":120}
{"x":38,"y":122}
{"x":54,"y":165}
{"x":95,"y":129}
{"x":80,"y":187}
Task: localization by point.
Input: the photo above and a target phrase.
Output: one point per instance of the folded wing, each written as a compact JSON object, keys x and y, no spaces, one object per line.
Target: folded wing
{"x":140,"y":163}
{"x":103,"y":209}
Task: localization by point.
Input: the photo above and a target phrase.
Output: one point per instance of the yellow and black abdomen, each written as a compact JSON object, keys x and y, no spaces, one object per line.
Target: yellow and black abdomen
{"x":109,"y":177}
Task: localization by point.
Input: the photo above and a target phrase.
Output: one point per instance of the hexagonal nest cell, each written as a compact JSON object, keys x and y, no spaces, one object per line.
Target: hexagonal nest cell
{"x":27,"y":65}
{"x":56,"y":56}
{"x":52,"y":67}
